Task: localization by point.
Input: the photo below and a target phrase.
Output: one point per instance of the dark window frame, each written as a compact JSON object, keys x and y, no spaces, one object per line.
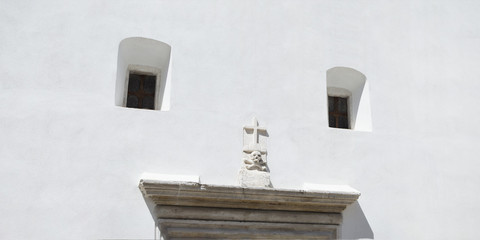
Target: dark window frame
{"x":338,"y":112}
{"x":142,"y":96}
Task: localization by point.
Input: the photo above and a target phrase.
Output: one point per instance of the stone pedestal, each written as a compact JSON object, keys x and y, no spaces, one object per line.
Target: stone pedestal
{"x":249,"y":178}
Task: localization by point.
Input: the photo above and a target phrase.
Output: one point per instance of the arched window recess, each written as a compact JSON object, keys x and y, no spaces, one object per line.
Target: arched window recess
{"x":348,"y":99}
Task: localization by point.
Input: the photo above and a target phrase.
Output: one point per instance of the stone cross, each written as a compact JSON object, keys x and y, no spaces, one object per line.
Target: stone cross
{"x":254,"y":172}
{"x":254,"y":143}
{"x":255,"y":129}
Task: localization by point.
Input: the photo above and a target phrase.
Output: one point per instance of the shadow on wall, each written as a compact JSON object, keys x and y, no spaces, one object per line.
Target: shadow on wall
{"x":355,"y":224}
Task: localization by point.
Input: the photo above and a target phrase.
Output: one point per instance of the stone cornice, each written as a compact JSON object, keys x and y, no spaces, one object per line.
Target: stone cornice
{"x":187,"y":210}
{"x":203,"y":195}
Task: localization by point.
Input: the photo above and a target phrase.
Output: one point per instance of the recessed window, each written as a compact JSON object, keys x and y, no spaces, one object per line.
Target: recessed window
{"x":348,"y":99}
{"x":141,"y":91}
{"x":338,"y":112}
{"x":143,"y":81}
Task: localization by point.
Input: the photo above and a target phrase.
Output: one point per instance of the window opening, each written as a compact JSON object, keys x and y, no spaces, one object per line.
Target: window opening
{"x":338,"y":112}
{"x":143,"y":81}
{"x":141,"y":91}
{"x":348,"y":99}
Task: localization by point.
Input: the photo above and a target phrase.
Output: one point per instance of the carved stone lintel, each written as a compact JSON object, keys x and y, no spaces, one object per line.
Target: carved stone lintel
{"x":200,"y":211}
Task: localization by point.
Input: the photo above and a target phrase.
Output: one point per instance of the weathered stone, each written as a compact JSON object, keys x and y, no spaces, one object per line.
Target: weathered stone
{"x":199,"y":211}
{"x":249,"y":178}
{"x":246,"y":215}
{"x":202,"y":229}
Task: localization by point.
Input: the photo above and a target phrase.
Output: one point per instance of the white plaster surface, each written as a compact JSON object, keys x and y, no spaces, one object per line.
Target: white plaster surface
{"x":70,"y":159}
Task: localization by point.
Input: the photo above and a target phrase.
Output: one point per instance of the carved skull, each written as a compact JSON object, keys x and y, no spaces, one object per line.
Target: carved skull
{"x":257,"y":157}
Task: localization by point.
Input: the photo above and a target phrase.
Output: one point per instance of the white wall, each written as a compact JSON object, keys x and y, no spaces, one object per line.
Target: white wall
{"x":71,"y":159}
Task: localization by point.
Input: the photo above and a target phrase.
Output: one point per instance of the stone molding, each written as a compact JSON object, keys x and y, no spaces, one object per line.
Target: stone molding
{"x":196,"y":211}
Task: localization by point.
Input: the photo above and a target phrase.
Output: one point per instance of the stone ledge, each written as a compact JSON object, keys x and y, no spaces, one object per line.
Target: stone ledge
{"x":203,"y":195}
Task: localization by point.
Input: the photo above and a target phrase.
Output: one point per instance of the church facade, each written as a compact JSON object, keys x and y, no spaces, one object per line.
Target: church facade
{"x":132,"y":120}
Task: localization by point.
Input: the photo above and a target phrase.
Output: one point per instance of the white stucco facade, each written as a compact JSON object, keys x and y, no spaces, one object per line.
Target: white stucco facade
{"x":71,"y":159}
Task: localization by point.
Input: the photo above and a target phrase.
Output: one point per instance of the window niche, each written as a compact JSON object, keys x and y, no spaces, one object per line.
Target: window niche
{"x":348,"y":99}
{"x":142,"y":74}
